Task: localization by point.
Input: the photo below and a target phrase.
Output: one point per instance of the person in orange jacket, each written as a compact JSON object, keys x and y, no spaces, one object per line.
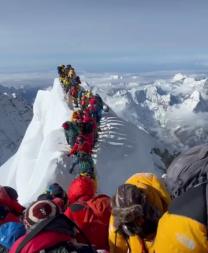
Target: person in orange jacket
{"x":136,"y":209}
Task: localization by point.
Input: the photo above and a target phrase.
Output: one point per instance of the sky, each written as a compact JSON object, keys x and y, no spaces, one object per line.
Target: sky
{"x":110,"y":35}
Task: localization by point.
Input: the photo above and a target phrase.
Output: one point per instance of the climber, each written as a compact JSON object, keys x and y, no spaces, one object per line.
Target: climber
{"x":48,"y":231}
{"x":71,"y":130}
{"x":10,"y":209}
{"x":89,"y":211}
{"x":136,"y":209}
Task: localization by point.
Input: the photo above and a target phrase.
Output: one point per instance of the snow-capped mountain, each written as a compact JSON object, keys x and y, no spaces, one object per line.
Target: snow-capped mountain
{"x":15,"y":116}
{"x":42,"y":158}
{"x":175,"y":110}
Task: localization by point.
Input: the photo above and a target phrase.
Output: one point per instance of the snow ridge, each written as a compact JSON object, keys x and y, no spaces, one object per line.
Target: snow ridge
{"x":41,"y":159}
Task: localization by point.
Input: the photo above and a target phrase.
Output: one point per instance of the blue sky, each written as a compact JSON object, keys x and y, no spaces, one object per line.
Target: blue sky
{"x":110,"y":35}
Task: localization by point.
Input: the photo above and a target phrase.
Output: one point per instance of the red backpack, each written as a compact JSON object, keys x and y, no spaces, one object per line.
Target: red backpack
{"x":92,"y":217}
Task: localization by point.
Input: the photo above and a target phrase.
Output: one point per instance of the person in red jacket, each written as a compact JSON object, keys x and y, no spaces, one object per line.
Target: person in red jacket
{"x":89,"y":211}
{"x":87,"y":118}
{"x":81,"y":146}
{"x":11,"y":210}
{"x":54,"y":234}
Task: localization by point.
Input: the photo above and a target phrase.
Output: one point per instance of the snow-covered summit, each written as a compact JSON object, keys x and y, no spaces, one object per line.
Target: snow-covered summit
{"x":41,"y":159}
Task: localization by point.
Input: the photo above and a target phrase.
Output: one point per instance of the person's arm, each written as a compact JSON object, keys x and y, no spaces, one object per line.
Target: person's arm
{"x":116,"y":241}
{"x":74,"y":149}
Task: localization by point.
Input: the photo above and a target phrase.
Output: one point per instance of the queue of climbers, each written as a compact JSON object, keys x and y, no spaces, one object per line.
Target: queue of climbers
{"x":82,"y":130}
{"x":145,"y":215}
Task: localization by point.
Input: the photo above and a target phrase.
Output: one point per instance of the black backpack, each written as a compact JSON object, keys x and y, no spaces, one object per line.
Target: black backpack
{"x":188,"y":170}
{"x":63,"y":246}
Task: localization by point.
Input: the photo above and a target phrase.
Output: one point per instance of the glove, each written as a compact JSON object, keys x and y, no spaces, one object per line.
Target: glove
{"x":71,"y":171}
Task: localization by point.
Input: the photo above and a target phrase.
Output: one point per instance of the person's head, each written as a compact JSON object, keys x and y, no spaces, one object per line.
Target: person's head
{"x":56,"y":191}
{"x":82,"y":187}
{"x":66,"y":125}
{"x":76,"y":115}
{"x":68,"y":66}
{"x":11,"y":192}
{"x":133,"y":213}
{"x":39,"y":211}
{"x":71,"y":73}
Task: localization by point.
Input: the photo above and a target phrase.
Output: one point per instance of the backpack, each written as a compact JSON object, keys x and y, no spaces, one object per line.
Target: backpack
{"x":63,"y":247}
{"x":188,"y":170}
{"x":92,"y":217}
{"x":94,"y":220}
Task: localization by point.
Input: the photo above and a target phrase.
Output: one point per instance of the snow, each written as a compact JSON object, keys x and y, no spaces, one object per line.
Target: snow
{"x":35,"y":163}
{"x":122,"y":150}
{"x":160,"y":106}
{"x":142,"y":114}
{"x":178,"y":77}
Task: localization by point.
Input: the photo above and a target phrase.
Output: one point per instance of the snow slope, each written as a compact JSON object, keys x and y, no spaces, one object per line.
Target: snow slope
{"x":15,"y":116}
{"x":41,"y":159}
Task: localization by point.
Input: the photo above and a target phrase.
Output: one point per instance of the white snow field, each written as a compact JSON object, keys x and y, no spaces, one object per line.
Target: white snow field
{"x":122,"y":150}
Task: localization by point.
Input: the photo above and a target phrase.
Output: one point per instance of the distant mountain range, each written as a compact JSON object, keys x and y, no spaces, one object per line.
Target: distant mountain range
{"x":174,"y":110}
{"x":15,"y":114}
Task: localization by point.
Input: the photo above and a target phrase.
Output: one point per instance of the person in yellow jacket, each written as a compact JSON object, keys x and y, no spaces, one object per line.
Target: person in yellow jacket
{"x":136,"y":209}
{"x":184,"y":227}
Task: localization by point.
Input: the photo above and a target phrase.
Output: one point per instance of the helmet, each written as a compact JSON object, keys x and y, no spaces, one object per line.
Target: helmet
{"x":56,"y":191}
{"x":80,"y":187}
